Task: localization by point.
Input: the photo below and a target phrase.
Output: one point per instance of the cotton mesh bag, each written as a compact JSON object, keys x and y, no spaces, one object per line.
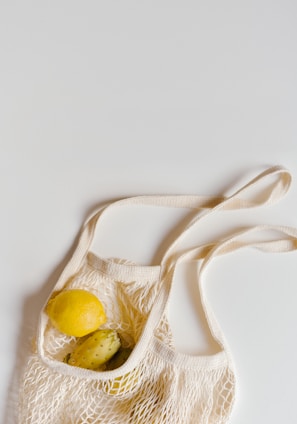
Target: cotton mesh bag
{"x":156,"y":384}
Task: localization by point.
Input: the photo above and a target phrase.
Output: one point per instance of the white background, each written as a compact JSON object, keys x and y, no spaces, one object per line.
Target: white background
{"x":101,"y":100}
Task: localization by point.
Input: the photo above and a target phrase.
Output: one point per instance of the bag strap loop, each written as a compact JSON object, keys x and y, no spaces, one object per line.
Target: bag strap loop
{"x":267,"y":195}
{"x":286,"y":243}
{"x":205,"y":205}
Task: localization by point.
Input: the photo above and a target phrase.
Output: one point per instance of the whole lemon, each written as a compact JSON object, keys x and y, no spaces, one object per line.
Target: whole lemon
{"x":76,"y":312}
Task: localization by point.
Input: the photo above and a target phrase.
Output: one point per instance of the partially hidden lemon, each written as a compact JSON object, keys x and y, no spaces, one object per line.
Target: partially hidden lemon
{"x":76,"y":312}
{"x":124,"y":383}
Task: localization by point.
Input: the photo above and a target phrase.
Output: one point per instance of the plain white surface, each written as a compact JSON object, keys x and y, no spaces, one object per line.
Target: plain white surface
{"x":101,"y":100}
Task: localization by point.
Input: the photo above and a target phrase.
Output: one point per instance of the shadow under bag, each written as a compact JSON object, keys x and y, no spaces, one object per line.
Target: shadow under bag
{"x":156,"y":384}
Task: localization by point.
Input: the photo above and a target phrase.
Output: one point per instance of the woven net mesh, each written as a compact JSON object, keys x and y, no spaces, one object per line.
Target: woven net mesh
{"x":157,"y":391}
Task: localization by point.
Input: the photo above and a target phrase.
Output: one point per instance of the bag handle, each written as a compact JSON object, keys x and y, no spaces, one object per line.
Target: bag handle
{"x":205,"y":205}
{"x":269,"y":195}
{"x":287,"y":243}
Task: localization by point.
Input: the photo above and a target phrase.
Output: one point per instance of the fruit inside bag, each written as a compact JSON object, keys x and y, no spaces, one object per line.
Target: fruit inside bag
{"x":80,"y":313}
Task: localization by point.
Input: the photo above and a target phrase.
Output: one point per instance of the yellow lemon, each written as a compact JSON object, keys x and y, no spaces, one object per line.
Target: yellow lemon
{"x":76,"y":312}
{"x":123,"y":384}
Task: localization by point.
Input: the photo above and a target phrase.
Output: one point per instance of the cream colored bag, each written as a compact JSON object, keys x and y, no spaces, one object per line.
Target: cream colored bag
{"x":157,"y":384}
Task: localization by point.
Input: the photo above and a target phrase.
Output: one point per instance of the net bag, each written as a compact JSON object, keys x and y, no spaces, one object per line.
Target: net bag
{"x":156,"y":384}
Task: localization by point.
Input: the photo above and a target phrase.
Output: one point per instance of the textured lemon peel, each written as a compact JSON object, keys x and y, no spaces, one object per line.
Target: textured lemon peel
{"x":76,"y":312}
